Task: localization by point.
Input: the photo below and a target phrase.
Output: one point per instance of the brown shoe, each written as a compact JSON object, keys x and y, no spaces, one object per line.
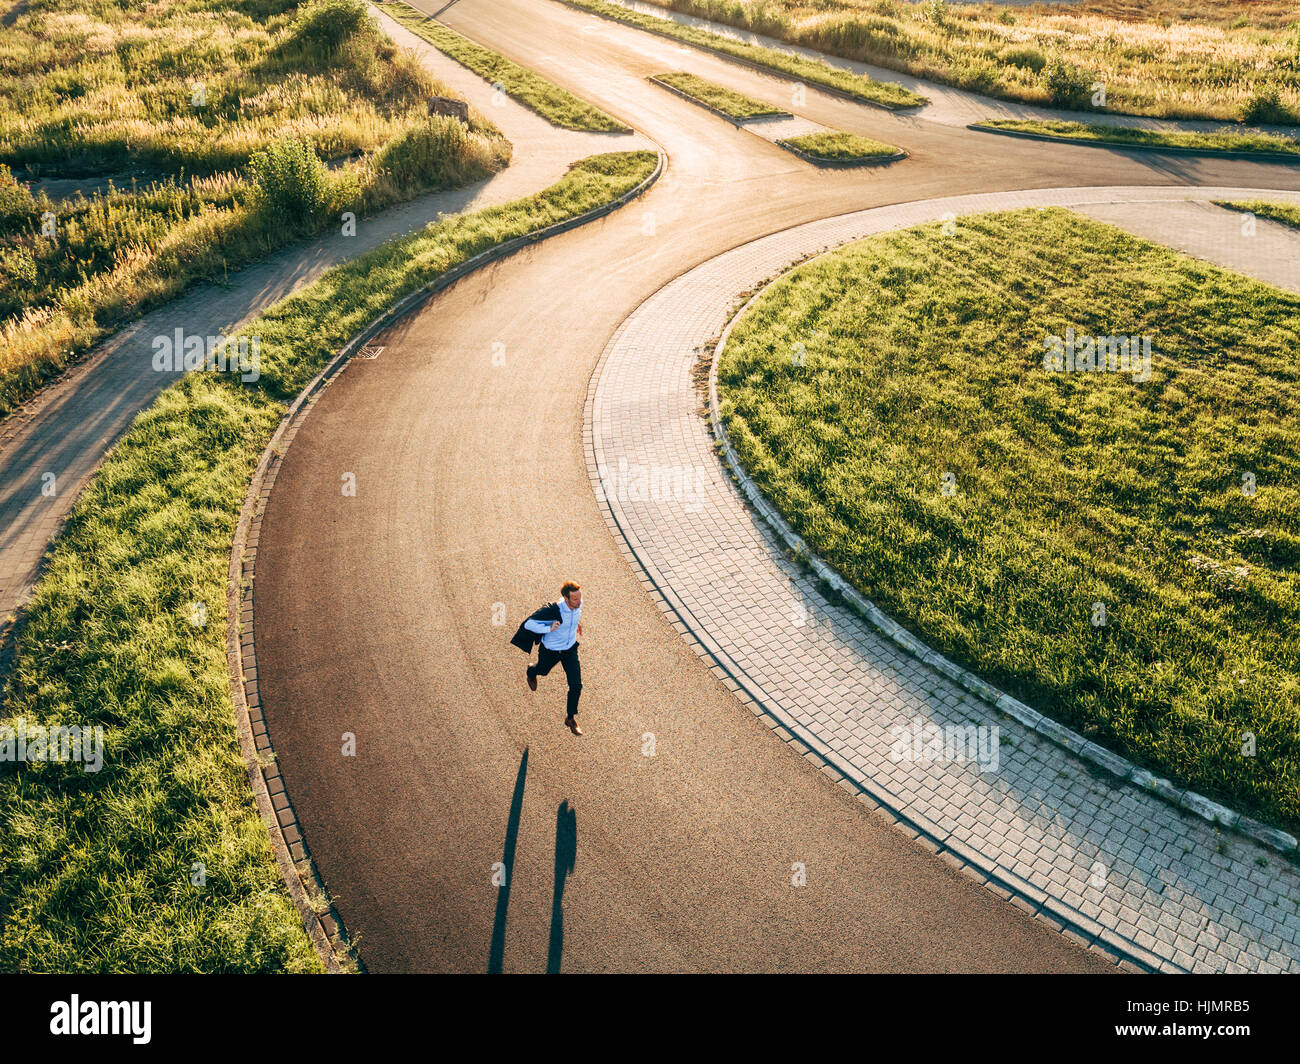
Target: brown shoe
{"x":572,"y":724}
{"x":532,"y":681}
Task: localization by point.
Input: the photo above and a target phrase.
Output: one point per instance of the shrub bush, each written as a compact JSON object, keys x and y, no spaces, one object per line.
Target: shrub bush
{"x":769,"y":20}
{"x":937,"y":12}
{"x":17,"y":280}
{"x":863,"y":36}
{"x":1265,"y":106}
{"x":441,"y":152}
{"x":1066,"y":84}
{"x":977,"y":76}
{"x":291,"y":182}
{"x":329,"y":24}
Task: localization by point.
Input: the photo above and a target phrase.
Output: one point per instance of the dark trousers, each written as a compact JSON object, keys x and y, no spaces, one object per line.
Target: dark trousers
{"x":546,"y":660}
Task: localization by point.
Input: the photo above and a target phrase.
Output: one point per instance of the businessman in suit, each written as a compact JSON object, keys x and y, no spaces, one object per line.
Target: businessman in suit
{"x":557,"y":627}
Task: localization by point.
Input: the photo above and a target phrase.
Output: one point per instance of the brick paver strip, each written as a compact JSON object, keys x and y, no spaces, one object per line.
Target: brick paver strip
{"x":70,"y":425}
{"x":1120,"y":869}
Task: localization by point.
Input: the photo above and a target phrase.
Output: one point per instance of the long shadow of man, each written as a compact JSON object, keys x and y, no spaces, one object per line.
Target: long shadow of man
{"x":497,"y":951}
{"x":566,"y":855}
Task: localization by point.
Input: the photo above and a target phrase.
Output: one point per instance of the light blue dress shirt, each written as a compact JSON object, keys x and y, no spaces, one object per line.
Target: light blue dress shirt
{"x":564,"y":636}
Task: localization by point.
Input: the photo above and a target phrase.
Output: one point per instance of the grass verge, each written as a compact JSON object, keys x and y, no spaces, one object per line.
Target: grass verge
{"x":989,"y":504}
{"x":836,"y":147}
{"x":1226,"y":140}
{"x":97,"y":868}
{"x":813,"y":71}
{"x":1286,"y":213}
{"x":719,"y":98}
{"x":558,"y":106}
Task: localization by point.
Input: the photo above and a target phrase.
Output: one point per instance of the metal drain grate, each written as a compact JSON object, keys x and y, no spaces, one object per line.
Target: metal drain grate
{"x":370,"y":351}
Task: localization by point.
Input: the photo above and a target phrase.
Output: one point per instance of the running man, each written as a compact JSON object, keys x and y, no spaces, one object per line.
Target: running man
{"x":559,"y":624}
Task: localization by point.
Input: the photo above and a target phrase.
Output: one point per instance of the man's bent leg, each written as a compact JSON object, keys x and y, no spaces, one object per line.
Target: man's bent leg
{"x":546,"y":660}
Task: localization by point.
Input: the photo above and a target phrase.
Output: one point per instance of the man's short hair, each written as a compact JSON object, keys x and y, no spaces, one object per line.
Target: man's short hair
{"x":570,"y":586}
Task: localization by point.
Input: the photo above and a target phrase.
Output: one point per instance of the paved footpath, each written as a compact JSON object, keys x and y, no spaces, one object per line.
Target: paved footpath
{"x":68,"y":428}
{"x":1138,"y":874}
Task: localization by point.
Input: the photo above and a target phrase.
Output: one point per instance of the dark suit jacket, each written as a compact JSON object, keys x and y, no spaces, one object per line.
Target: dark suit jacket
{"x":526,"y":640}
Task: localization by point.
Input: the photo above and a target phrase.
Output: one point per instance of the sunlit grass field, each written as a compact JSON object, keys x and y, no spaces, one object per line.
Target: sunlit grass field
{"x":96,"y":869}
{"x":163,"y":109}
{"x":1166,"y":58}
{"x":1173,"y":501}
{"x":87,"y":86}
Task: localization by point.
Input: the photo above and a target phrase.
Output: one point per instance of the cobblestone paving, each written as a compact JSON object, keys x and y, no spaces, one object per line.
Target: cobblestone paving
{"x":1131,"y":872}
{"x":68,"y":428}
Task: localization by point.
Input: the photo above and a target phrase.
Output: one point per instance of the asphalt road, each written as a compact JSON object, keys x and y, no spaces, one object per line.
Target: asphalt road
{"x":375,"y":612}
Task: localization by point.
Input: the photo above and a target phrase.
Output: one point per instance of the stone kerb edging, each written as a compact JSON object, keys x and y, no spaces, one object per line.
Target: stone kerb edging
{"x":1072,"y":741}
{"x":291,"y":852}
{"x":737,"y":122}
{"x":1206,"y":153}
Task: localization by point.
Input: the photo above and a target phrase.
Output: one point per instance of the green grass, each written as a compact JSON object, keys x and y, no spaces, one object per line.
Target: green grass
{"x":812,"y":71}
{"x":95,"y":868}
{"x":1286,"y":213}
{"x":558,"y":106}
{"x":1225,"y":140}
{"x":720,"y":98}
{"x":924,"y":356}
{"x":88,"y":88}
{"x":834,"y":146}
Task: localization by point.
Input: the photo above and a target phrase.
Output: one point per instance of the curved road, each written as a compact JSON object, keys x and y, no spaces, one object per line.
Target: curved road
{"x":374,"y":612}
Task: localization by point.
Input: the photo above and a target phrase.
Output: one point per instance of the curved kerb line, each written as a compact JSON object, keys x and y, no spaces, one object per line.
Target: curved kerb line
{"x":1123,"y":769}
{"x":326,"y":928}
